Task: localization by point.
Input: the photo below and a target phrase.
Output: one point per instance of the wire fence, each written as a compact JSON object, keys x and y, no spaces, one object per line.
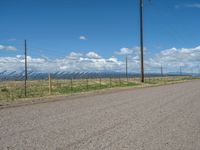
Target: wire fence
{"x":35,"y":81}
{"x":13,"y":87}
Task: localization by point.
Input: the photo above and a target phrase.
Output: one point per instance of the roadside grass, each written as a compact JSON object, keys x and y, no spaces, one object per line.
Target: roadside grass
{"x":14,"y":90}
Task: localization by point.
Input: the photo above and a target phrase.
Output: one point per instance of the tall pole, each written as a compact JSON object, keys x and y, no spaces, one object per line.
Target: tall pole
{"x":141,"y":42}
{"x":161,"y":70}
{"x":26,"y":74}
{"x":126,"y":67}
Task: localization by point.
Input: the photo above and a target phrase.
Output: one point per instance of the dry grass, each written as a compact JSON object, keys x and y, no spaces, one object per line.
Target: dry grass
{"x":14,"y":90}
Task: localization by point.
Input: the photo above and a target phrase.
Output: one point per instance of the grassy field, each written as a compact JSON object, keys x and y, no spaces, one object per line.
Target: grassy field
{"x":14,"y":90}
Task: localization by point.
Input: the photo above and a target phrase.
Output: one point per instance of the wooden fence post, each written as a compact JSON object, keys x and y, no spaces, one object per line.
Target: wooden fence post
{"x":50,"y":84}
{"x":110,"y":82}
{"x":100,"y":81}
{"x":71,"y":84}
{"x":87,"y":84}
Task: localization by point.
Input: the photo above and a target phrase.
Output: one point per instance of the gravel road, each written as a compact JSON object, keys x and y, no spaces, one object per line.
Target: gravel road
{"x":157,"y":118}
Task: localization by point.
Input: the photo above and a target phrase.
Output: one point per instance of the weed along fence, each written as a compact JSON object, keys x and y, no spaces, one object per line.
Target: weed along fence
{"x":13,"y":85}
{"x":39,"y":85}
{"x":85,"y":84}
{"x":15,"y":89}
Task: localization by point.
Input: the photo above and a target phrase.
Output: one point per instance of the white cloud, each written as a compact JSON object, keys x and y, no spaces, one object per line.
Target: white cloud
{"x":129,"y":51}
{"x":11,"y":39}
{"x":82,"y":37}
{"x":93,"y":55}
{"x":74,"y":55}
{"x":172,"y":59}
{"x":8,"y":48}
{"x":125,"y":51}
{"x":194,"y":5}
{"x":74,"y":62}
{"x":113,"y":59}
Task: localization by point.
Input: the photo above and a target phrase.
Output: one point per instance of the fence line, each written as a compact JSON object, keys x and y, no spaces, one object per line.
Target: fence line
{"x":11,"y":89}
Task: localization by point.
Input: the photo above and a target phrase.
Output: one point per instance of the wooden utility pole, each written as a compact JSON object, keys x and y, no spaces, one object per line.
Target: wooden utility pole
{"x":87,"y":83}
{"x":126,"y":67}
{"x":25,"y":68}
{"x":50,"y":84}
{"x":110,"y":82}
{"x":100,"y":82}
{"x":141,"y":42}
{"x":161,"y":70}
{"x":71,"y":84}
{"x":180,"y":71}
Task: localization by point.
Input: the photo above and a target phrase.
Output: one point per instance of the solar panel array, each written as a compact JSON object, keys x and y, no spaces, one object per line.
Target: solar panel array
{"x":17,"y":76}
{"x":60,"y":75}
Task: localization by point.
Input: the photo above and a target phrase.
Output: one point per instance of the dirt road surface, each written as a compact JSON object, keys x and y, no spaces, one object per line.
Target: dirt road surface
{"x":157,"y":118}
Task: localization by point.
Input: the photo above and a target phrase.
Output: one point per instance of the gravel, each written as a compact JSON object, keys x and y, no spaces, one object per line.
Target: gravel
{"x":156,"y":118}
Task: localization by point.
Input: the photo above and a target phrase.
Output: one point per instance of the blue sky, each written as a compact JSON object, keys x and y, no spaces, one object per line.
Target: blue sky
{"x":53,"y":27}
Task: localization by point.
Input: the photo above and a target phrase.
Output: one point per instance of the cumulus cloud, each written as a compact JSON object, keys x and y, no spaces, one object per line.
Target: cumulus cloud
{"x":74,"y":55}
{"x":129,"y":51}
{"x":82,"y":37}
{"x":174,"y":58}
{"x":93,"y":55}
{"x":171,"y":58}
{"x":8,"y":48}
{"x":74,"y":62}
{"x":125,"y":51}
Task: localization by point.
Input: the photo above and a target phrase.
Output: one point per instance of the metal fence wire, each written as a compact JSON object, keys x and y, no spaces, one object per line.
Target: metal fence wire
{"x":61,"y":83}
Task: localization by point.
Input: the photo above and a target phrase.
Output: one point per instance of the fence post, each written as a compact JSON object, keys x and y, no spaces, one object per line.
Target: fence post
{"x":100,"y":82}
{"x":110,"y":82}
{"x":120,"y":81}
{"x":87,"y":84}
{"x":71,"y":84}
{"x":50,"y":84}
